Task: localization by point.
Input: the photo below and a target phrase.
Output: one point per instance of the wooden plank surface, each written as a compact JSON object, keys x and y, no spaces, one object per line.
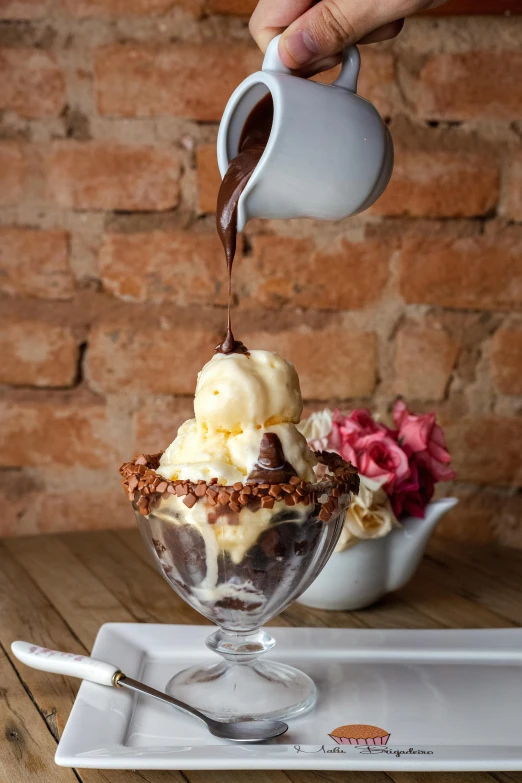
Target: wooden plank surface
{"x":450,"y":609}
{"x":136,"y":585}
{"x":58,"y":591}
{"x":27,"y":747}
{"x":482,"y":587}
{"x":81,"y":599}
{"x":27,"y":614}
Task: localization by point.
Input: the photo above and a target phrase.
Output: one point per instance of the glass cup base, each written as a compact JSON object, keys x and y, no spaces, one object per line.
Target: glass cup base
{"x":241,"y":691}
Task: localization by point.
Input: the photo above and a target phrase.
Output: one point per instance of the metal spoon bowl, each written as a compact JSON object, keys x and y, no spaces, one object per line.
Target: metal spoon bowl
{"x":248,"y":730}
{"x":235,"y":730}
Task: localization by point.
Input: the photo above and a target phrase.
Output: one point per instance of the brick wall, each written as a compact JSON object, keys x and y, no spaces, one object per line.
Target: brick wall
{"x":112,"y":279}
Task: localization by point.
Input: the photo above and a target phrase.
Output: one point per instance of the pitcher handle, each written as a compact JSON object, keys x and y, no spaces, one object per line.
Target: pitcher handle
{"x":349,"y":69}
{"x":272,"y":61}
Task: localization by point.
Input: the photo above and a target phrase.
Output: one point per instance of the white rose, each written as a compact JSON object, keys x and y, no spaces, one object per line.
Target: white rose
{"x":370,"y":515}
{"x":316,"y":429}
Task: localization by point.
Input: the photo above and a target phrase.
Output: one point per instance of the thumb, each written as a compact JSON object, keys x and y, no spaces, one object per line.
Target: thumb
{"x":329,"y":27}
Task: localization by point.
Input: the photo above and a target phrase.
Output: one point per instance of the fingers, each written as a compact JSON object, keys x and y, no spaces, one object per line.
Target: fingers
{"x":271,"y":17}
{"x":316,"y":31}
{"x":318,"y":67}
{"x":383,"y":33}
{"x":327,"y":27}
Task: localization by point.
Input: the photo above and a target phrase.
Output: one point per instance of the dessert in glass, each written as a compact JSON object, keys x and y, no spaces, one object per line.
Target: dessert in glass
{"x":240,"y":516}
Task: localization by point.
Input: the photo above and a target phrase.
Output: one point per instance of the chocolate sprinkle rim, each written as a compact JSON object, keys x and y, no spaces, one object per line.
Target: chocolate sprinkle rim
{"x":145,"y":488}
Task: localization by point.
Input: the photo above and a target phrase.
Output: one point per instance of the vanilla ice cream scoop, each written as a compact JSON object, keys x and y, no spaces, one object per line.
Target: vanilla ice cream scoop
{"x":237,"y":391}
{"x":239,"y":398}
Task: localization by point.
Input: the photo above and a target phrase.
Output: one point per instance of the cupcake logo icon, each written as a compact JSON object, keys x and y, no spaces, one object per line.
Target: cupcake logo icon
{"x":360,"y":734}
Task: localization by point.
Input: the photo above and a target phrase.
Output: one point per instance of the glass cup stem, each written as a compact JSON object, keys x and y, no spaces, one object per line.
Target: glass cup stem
{"x":240,"y":646}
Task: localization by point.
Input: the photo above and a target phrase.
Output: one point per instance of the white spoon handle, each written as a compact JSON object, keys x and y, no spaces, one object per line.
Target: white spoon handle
{"x":65,"y":663}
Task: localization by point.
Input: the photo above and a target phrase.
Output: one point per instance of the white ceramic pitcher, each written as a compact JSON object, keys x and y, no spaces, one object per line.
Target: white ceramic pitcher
{"x":359,"y":576}
{"x":329,"y":155}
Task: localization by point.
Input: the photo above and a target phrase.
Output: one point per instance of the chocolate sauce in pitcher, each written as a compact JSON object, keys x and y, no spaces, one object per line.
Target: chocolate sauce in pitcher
{"x":252,"y":144}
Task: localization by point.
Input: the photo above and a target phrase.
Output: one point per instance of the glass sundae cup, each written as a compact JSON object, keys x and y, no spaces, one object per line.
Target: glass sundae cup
{"x":240,"y":555}
{"x":240,"y":517}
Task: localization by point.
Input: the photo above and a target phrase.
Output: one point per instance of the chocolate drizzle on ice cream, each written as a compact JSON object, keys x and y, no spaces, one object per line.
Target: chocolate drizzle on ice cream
{"x":252,"y":144}
{"x":230,"y":344}
{"x":271,"y":465}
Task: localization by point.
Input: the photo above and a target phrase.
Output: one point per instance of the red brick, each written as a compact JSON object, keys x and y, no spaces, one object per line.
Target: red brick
{"x":32,"y":83}
{"x":91,"y":509}
{"x":506,"y":360}
{"x":162,"y":357}
{"x":209,"y":178}
{"x":24,"y":9}
{"x":424,"y":361}
{"x":506,"y":515}
{"x":14,"y":172}
{"x":36,"y":352}
{"x":20,"y":499}
{"x":376,"y":80}
{"x":484,"y":515}
{"x":283,"y":270}
{"x":470,"y":85}
{"x":511,"y":202}
{"x":470,"y":7}
{"x":183,"y":80}
{"x":334,"y":364}
{"x":57,"y":429}
{"x":235,"y":7}
{"x":35,"y":263}
{"x":108,"y":175}
{"x":328,"y":76}
{"x":476,"y":273}
{"x":440,"y":184}
{"x":162,"y":266}
{"x":122,"y":8}
{"x":158,"y":420}
{"x":486,"y":449}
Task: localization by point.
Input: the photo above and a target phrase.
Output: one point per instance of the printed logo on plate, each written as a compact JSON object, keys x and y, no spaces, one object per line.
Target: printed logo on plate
{"x":369,"y":740}
{"x":360,"y":734}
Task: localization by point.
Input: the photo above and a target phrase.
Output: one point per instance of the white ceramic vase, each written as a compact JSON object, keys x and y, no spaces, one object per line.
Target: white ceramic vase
{"x":359,"y":576}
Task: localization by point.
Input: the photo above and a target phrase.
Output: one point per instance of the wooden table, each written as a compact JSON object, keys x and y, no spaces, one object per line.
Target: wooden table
{"x":58,"y":590}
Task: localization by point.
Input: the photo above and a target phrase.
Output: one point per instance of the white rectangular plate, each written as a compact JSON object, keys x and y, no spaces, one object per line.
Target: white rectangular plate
{"x":450,"y":700}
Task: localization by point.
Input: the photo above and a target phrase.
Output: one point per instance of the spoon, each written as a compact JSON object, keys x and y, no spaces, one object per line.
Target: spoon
{"x":106,"y":674}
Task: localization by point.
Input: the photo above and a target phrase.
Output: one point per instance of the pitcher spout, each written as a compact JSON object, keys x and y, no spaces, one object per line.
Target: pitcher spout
{"x":408,"y":543}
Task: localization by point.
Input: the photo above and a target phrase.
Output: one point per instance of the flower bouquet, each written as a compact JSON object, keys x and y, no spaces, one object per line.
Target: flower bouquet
{"x":398,"y":469}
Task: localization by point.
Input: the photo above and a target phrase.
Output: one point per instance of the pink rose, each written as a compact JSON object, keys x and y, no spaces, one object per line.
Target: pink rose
{"x":410,"y":497}
{"x":425,"y":439}
{"x":383,"y":459}
{"x":359,"y":423}
{"x":406,"y":461}
{"x":335,"y":440}
{"x":349,"y":433}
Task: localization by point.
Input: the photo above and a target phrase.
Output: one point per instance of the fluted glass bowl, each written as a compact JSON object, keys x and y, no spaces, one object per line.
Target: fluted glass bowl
{"x":239,"y":566}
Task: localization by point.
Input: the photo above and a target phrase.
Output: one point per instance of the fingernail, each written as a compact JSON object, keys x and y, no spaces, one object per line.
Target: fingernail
{"x":301,"y":47}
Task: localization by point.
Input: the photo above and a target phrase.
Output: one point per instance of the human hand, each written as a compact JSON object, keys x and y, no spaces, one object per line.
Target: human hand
{"x":315,"y":32}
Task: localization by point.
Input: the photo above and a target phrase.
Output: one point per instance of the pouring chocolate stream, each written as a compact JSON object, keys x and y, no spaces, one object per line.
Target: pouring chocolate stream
{"x":252,"y":144}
